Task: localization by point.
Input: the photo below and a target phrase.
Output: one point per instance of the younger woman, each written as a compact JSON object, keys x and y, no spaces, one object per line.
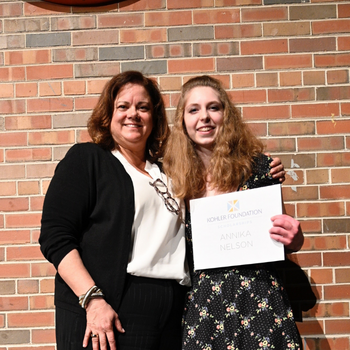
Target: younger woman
{"x":210,"y":152}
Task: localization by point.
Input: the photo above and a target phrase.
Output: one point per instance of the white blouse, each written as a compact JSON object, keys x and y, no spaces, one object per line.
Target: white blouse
{"x":158,"y":235}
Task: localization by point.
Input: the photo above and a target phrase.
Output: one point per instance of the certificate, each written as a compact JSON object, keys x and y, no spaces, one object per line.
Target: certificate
{"x":232,"y":229}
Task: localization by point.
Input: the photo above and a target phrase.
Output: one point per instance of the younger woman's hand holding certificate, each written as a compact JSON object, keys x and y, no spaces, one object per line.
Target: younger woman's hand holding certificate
{"x":287,"y":230}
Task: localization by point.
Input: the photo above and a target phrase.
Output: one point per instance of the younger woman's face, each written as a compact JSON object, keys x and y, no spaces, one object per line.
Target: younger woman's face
{"x":203,"y":116}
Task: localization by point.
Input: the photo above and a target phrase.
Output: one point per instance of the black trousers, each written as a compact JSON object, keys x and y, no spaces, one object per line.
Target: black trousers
{"x":150,"y":313}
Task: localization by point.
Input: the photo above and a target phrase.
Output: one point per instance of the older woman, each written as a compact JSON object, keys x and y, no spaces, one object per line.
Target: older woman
{"x":115,"y":239}
{"x":113,"y":231}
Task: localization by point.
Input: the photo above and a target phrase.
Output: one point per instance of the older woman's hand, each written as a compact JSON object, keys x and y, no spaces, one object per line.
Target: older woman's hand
{"x":101,"y":320}
{"x":287,"y":230}
{"x":277,"y":169}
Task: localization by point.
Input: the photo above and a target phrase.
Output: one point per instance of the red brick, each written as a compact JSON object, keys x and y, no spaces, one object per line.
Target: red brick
{"x":321,"y":209}
{"x":27,"y":57}
{"x":299,"y":193}
{"x":168,"y":18}
{"x":183,"y":4}
{"x":338,"y":76}
{"x":85,"y":103}
{"x":26,"y":89}
{"x":321,"y":276}
{"x":215,"y":16}
{"x":238,"y":31}
{"x":343,"y":10}
{"x":312,"y":45}
{"x":36,"y":203}
{"x":191,"y":65}
{"x":315,"y":110}
{"x":143,"y":35}
{"x":28,"y":122}
{"x":337,"y":326}
{"x":345,"y":108}
{"x":320,"y":143}
{"x":340,"y":175}
{"x":44,"y":9}
{"x":329,"y":243}
{"x":288,"y":62}
{"x":312,"y":327}
{"x":50,"y":88}
{"x":333,"y":159}
{"x":28,"y":286}
{"x":8,"y":188}
{"x":290,"y":78}
{"x":123,"y":20}
{"x":330,"y":26}
{"x":13,"y":303}
{"x":344,"y":43}
{"x":51,"y":137}
{"x":14,"y":270}
{"x":264,"y":47}
{"x":247,"y":96}
{"x":47,"y":285}
{"x":294,"y":177}
{"x":8,"y":74}
{"x":317,"y":176}
{"x":28,"y":154}
{"x":342,"y":275}
{"x":10,"y":10}
{"x":23,"y":220}
{"x":74,"y":87}
{"x":50,"y":105}
{"x":280,"y":145}
{"x":12,"y":172}
{"x":24,"y":253}
{"x":52,"y":71}
{"x":291,"y":95}
{"x":266,"y":112}
{"x":12,"y":106}
{"x":333,"y":127}
{"x":13,"y":139}
{"x":43,"y":269}
{"x":143,"y":5}
{"x":264,"y":14}
{"x":336,"y":309}
{"x":41,"y":302}
{"x":266,"y":79}
{"x":334,"y":60}
{"x":31,"y":319}
{"x":291,"y":128}
{"x":335,"y":192}
{"x":42,"y":336}
{"x":337,"y":259}
{"x":314,"y":78}
{"x":306,"y":259}
{"x":14,"y":204}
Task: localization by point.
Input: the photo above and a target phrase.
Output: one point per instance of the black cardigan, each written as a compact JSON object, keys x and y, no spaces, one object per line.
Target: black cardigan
{"x":89,"y":206}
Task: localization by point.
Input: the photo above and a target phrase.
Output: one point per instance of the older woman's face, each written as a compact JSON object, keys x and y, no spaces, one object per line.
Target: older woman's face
{"x":132,"y":123}
{"x":203,"y":116}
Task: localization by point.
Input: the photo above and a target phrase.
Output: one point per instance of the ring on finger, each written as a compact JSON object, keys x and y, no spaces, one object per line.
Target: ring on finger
{"x":92,"y":335}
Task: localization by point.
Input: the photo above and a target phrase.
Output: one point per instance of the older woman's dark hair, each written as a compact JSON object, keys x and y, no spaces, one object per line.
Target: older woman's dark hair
{"x":100,"y":121}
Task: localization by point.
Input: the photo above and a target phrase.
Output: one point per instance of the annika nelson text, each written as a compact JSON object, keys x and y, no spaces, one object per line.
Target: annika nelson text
{"x":244,"y":237}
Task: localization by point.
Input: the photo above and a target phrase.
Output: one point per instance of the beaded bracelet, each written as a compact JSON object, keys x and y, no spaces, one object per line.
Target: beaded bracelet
{"x":92,"y":293}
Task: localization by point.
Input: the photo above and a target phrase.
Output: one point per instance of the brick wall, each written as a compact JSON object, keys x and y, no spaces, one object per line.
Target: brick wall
{"x":285,"y":64}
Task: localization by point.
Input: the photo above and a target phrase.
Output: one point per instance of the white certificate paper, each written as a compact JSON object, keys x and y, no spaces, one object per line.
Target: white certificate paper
{"x":232,"y":229}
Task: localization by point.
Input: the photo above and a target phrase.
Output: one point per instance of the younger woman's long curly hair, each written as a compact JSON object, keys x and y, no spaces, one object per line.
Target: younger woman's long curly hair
{"x":99,"y":124}
{"x":233,"y":153}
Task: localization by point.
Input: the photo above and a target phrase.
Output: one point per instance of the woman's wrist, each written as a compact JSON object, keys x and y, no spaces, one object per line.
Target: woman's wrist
{"x":92,"y":293}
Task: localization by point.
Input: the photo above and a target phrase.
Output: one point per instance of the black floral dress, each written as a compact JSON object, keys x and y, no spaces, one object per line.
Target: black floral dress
{"x":238,"y":307}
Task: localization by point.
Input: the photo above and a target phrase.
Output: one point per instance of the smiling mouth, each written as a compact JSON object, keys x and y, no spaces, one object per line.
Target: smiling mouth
{"x":132,"y":125}
{"x":206,"y":128}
